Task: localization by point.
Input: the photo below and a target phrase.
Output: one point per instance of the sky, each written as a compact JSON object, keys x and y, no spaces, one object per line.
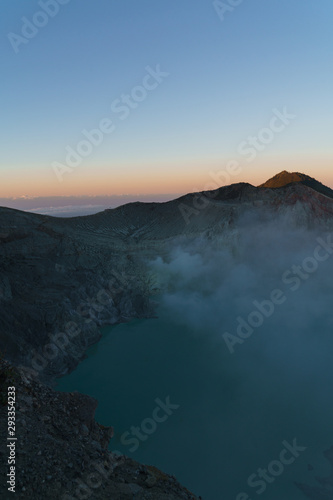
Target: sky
{"x":145,"y":98}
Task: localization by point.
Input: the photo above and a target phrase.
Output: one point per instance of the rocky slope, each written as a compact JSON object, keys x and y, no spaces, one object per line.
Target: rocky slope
{"x":62,"y":279}
{"x":325,"y":489}
{"x":61,"y":452}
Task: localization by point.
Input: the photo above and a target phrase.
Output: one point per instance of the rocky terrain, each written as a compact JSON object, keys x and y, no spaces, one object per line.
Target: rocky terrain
{"x":62,"y":453}
{"x":325,"y":489}
{"x":71,"y":276}
{"x":62,"y":279}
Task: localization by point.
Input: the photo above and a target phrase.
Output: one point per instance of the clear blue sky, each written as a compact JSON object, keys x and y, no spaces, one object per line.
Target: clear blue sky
{"x":225,"y":77}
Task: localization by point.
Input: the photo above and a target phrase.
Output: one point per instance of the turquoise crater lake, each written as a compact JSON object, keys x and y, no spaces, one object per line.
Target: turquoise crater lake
{"x":178,"y":400}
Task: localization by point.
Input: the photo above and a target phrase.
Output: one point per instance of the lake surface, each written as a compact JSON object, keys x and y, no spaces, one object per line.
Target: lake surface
{"x":230,"y":414}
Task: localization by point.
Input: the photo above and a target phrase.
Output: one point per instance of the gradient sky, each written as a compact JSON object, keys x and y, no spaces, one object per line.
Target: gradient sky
{"x":225,"y":78}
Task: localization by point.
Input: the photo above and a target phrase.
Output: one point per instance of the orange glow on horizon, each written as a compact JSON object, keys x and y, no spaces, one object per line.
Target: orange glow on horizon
{"x":141,"y":179}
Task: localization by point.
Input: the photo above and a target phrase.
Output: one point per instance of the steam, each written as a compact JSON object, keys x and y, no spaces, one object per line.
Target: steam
{"x":277,"y":379}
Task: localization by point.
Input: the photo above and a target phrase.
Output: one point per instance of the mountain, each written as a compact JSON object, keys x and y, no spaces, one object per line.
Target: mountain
{"x":50,"y":266}
{"x":286,"y":178}
{"x":61,"y":280}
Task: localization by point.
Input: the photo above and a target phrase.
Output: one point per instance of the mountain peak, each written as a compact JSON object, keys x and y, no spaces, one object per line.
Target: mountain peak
{"x":285,"y":178}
